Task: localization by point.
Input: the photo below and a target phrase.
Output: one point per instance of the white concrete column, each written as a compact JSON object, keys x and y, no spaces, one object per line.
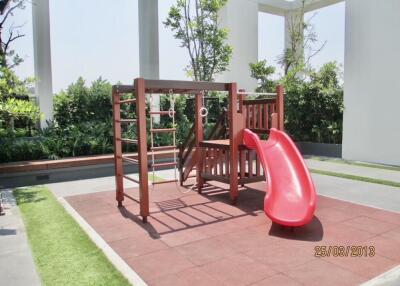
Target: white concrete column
{"x":240,"y":17}
{"x":42,"y":58}
{"x":148,"y":39}
{"x":149,"y":45}
{"x":293,"y":24}
{"x":371,"y":119}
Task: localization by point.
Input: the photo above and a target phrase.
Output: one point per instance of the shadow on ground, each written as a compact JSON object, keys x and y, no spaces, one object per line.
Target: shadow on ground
{"x":168,"y":213}
{"x":29,"y":195}
{"x":313,"y":231}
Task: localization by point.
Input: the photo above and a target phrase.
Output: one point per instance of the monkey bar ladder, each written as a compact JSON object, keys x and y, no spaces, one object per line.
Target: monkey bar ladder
{"x":141,"y":141}
{"x":139,"y":90}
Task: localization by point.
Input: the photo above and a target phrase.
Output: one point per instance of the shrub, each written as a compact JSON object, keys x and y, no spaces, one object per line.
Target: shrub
{"x":80,"y":103}
{"x":18,"y":115}
{"x":314,"y":105}
{"x":82,"y":124}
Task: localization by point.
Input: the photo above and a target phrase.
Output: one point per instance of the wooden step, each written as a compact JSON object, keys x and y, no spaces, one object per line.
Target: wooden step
{"x":163,"y":148}
{"x":165,"y":181}
{"x":163,"y":130}
{"x":162,"y":112}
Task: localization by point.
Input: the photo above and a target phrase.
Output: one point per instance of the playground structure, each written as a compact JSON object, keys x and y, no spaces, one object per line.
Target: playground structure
{"x":215,"y":159}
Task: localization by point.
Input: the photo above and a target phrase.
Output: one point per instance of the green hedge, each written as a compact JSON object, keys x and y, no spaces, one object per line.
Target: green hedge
{"x":314,"y":105}
{"x":82,"y":122}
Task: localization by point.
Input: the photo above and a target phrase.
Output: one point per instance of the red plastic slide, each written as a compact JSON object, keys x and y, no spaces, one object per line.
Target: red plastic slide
{"x":291,"y":197}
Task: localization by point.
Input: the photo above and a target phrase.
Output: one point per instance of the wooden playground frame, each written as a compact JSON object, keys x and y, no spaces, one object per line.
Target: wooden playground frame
{"x":227,"y":161}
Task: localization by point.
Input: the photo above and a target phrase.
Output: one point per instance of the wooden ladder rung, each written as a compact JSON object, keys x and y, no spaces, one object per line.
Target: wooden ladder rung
{"x":130,"y":160}
{"x":163,"y":148}
{"x":131,"y":179}
{"x":162,"y":112}
{"x":168,"y":164}
{"x":163,"y":130}
{"x":127,"y":101}
{"x":127,"y":120}
{"x":164,"y":181}
{"x":126,"y":140}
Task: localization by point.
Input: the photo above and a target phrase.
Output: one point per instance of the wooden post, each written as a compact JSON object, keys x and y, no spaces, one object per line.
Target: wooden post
{"x":199,"y":134}
{"x":142,"y":147}
{"x":280,"y":106}
{"x":242,"y":156}
{"x":236,"y":127}
{"x":119,"y":182}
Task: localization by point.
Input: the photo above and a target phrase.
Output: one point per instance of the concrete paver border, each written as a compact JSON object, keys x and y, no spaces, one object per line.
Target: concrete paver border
{"x":112,"y":256}
{"x":389,"y":278}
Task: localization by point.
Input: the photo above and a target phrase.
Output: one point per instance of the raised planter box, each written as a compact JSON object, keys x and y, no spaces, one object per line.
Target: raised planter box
{"x":320,"y":149}
{"x":38,"y":172}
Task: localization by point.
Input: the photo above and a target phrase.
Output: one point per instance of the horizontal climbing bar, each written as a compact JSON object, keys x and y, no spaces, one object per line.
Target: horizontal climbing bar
{"x":127,"y":101}
{"x":176,"y":86}
{"x":127,"y":121}
{"x":130,"y":160}
{"x":131,"y":179}
{"x":131,"y":141}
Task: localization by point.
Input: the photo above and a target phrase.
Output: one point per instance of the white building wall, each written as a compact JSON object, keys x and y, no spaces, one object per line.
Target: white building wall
{"x":241,"y":19}
{"x":372,"y":83}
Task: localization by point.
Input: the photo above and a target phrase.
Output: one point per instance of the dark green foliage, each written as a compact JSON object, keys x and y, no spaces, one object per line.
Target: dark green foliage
{"x":79,"y":104}
{"x":18,"y":114}
{"x":314,"y":106}
{"x":313,"y":102}
{"x":12,"y":149}
{"x":82,"y":124}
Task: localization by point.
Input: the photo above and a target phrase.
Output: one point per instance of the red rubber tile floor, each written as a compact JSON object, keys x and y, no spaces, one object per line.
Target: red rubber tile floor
{"x":193,"y":239}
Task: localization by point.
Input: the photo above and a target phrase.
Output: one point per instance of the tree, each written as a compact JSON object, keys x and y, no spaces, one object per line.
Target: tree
{"x":262,"y":72}
{"x":11,"y":85}
{"x":302,"y":40}
{"x":12,"y":34}
{"x":195,"y":24}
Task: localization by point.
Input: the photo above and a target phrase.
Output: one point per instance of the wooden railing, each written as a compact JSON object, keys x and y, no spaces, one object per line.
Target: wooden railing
{"x":260,"y":112}
{"x":216,"y":164}
{"x":259,"y":115}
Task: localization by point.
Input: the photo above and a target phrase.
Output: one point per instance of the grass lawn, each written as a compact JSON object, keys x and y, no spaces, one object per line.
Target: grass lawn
{"x":154,"y":178}
{"x":63,"y":253}
{"x":354,"y":163}
{"x":356,"y":178}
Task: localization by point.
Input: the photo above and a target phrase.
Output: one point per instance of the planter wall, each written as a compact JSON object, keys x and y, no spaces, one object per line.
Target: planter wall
{"x":101,"y":166}
{"x":320,"y":149}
